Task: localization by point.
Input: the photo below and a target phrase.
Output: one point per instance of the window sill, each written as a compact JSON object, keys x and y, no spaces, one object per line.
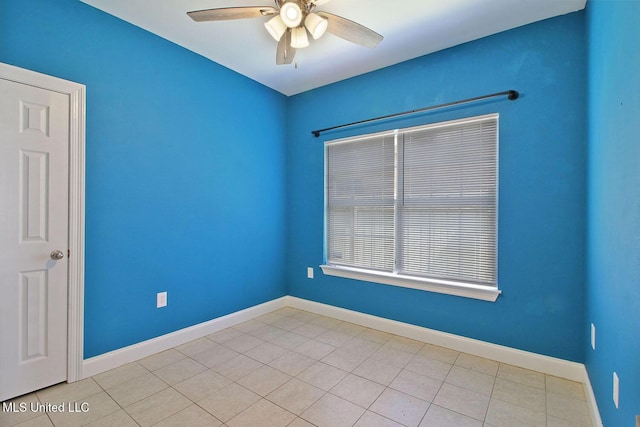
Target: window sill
{"x":486,"y":293}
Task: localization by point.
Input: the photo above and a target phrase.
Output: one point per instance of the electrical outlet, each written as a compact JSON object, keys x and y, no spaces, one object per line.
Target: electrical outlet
{"x":593,"y":336}
{"x":161,"y":299}
{"x":309,"y":272}
{"x":616,"y":389}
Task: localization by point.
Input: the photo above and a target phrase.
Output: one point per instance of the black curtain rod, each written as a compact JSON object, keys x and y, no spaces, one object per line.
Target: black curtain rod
{"x":512,"y":95}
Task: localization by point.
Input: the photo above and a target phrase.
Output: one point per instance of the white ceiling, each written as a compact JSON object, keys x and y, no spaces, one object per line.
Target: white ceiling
{"x":411,"y":28}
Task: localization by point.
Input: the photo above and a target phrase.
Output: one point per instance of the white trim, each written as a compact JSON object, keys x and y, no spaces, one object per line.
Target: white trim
{"x":536,"y":362}
{"x":113,"y":359}
{"x":591,"y":400}
{"x":77,"y":109}
{"x":549,"y":365}
{"x":486,"y":293}
{"x":393,"y":276}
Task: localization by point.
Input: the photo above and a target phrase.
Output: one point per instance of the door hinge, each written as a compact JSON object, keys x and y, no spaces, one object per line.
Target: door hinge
{"x":68,"y":253}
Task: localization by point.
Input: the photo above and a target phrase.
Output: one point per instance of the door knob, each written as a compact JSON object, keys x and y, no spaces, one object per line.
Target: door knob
{"x":57,"y":254}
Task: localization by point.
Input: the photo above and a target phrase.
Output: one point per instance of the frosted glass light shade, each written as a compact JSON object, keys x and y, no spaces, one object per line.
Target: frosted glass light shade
{"x":291,"y":14}
{"x":276,"y":27}
{"x":316,"y":25}
{"x":299,"y":38}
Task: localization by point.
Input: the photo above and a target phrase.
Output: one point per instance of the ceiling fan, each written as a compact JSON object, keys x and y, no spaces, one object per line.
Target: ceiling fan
{"x":291,"y":19}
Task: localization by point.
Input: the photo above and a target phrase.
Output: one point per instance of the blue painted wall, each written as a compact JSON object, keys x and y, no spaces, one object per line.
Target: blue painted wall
{"x":613,"y":293}
{"x":185,"y":172}
{"x":183,"y":154}
{"x":542,"y":183}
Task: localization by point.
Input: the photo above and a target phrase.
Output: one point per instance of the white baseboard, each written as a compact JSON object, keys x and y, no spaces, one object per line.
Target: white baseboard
{"x":113,"y":359}
{"x":548,"y":365}
{"x":596,"y":420}
{"x":536,"y":362}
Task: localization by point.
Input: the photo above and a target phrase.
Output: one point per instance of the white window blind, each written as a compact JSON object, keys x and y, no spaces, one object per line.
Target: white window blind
{"x":448,"y":210}
{"x":361,"y":202}
{"x":419,"y":202}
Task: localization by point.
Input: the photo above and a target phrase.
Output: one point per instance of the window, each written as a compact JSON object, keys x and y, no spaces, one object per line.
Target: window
{"x":416,"y":207}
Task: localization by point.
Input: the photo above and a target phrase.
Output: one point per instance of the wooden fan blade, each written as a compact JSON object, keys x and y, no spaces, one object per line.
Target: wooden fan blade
{"x":228,"y":13}
{"x":285,"y":53}
{"x":351,"y":31}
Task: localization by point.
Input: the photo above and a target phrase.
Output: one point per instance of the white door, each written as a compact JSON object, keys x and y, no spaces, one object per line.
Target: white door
{"x":34,"y":221}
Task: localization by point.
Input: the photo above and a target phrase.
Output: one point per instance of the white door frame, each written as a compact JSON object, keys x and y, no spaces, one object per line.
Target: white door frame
{"x":77,"y":115}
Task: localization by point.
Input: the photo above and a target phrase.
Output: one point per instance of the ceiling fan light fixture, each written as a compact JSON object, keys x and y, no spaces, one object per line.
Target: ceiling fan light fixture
{"x":276,"y":27}
{"x":291,"y":14}
{"x":299,"y":38}
{"x":316,"y":25}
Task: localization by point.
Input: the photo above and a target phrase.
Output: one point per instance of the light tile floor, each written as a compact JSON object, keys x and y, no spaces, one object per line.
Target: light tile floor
{"x":295,"y":368}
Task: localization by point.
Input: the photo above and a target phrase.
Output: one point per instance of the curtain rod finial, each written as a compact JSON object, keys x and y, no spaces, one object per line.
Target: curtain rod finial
{"x":513,"y":95}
